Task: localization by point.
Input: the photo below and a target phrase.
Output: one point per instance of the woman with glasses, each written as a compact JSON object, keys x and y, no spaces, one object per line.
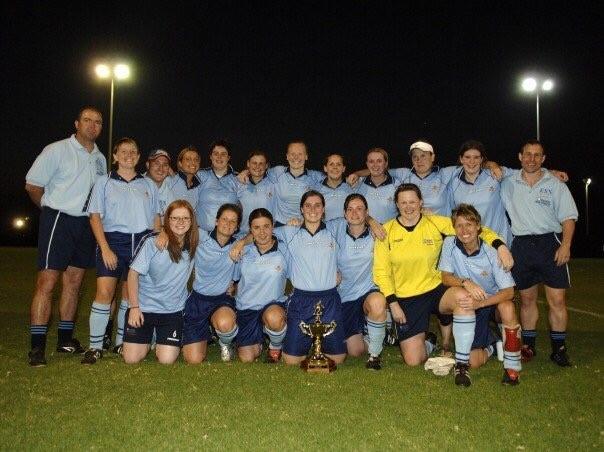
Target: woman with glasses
{"x":157,"y":287}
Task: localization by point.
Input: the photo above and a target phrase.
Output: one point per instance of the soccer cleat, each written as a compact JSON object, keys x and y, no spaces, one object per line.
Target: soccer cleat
{"x":511,"y":377}
{"x":118,"y":349}
{"x":226,"y":352}
{"x":273,"y":355}
{"x":462,"y":375}
{"x":36,"y":357}
{"x":374,"y":363}
{"x":560,"y":358}
{"x":92,"y":356}
{"x":527,"y":353}
{"x":72,"y":346}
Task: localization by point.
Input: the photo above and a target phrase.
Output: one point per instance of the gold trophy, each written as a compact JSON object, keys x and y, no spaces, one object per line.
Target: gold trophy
{"x":316,"y":361}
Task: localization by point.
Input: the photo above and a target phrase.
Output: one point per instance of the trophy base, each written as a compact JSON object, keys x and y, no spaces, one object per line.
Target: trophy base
{"x":322,"y":365}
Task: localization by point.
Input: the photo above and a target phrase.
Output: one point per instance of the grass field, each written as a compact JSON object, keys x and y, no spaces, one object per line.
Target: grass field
{"x":217,"y":406}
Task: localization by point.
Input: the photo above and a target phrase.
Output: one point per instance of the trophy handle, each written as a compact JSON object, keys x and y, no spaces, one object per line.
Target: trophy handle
{"x":331,"y":329}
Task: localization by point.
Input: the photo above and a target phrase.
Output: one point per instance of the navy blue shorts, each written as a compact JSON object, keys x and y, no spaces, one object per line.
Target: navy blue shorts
{"x":198,"y":312}
{"x":353,"y":316}
{"x":124,"y":246}
{"x":301,"y":307}
{"x":167,"y":327}
{"x":251,"y":328}
{"x":534,"y":262}
{"x":64,"y":240}
{"x":483,"y":336}
{"x":417,"y":311}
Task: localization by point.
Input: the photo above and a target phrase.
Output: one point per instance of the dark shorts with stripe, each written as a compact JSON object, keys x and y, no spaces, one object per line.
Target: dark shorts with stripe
{"x":534,"y":262}
{"x":417,"y":311}
{"x":167,"y":327}
{"x":251,"y":328}
{"x":301,"y":307}
{"x":64,"y":240}
{"x":124,"y":246}
{"x":483,"y":335}
{"x":353,"y":316}
{"x":198,"y":313}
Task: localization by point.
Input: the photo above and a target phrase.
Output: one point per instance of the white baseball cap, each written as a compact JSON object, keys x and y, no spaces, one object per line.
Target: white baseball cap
{"x":422,"y":146}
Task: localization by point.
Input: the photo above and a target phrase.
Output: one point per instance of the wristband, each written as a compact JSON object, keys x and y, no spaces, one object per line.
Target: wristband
{"x":134,"y":307}
{"x":391,"y":299}
{"x":497,"y":243}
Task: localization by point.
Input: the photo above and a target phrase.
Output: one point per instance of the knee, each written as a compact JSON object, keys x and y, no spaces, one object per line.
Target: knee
{"x":274,"y":320}
{"x":194,"y":359}
{"x":224,"y":323}
{"x":413,"y":360}
{"x":166,"y":359}
{"x":376,"y":307}
{"x":246,"y":358}
{"x":338,"y":359}
{"x":45,"y":283}
{"x":477,"y":358}
{"x":355,"y":350}
{"x":132,"y":358}
{"x":557,"y":303}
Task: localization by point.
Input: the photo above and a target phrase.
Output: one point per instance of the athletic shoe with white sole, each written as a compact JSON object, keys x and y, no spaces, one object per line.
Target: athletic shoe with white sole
{"x":72,"y":346}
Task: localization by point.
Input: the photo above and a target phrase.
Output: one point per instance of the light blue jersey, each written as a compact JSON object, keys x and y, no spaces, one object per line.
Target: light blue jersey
{"x":355,"y":262}
{"x":480,"y":267}
{"x":334,"y":198}
{"x":262,"y":277}
{"x":485,"y":195}
{"x":312,"y":258}
{"x":178,"y":185}
{"x":67,"y":172}
{"x":214,"y":269}
{"x":380,"y":199}
{"x":289,"y":191}
{"x":166,"y":196}
{"x":162,"y":284}
{"x":433,"y":186}
{"x":539,"y":209}
{"x":125,"y":206}
{"x":254,"y":196}
{"x":214,"y":192}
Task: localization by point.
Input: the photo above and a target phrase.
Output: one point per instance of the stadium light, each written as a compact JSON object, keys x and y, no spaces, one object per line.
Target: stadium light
{"x":120,"y":71}
{"x":587,"y":182}
{"x":20,"y":223}
{"x":533,"y":85}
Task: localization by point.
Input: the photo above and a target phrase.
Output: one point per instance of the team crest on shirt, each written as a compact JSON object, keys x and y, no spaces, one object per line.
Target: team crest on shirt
{"x":484,"y":273}
{"x":428,"y":242}
{"x":492,"y":188}
{"x":435,"y":188}
{"x":278,"y":268}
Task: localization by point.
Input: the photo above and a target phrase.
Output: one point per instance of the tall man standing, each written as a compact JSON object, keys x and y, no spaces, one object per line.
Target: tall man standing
{"x":543,"y":215}
{"x":59,"y":182}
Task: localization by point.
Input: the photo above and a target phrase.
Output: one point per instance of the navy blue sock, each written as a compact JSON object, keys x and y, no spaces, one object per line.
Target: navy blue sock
{"x":529,"y":337}
{"x":38,"y":336}
{"x":557,"y":339}
{"x":65,"y":331}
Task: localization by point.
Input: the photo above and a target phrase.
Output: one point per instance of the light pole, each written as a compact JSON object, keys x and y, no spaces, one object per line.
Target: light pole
{"x":119,"y":71}
{"x":587,"y":182}
{"x":532,"y":85}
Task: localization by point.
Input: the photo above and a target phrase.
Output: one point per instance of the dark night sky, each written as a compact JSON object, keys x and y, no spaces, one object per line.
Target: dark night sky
{"x":343,"y":76}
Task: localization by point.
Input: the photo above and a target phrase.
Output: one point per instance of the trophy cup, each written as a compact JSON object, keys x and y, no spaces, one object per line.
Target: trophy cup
{"x":316,"y":361}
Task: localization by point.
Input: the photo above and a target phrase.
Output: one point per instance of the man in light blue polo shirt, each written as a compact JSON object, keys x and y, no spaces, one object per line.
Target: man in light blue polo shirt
{"x":59,"y":182}
{"x":158,"y":168}
{"x":543,"y":215}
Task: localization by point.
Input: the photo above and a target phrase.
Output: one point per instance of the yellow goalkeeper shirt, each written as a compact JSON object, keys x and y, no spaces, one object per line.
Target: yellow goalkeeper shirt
{"x":405,"y":263}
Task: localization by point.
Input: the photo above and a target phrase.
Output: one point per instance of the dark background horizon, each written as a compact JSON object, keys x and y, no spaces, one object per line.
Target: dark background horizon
{"x":342,"y":76}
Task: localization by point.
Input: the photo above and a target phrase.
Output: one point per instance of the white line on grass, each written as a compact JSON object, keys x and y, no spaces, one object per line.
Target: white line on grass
{"x":580,"y":311}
